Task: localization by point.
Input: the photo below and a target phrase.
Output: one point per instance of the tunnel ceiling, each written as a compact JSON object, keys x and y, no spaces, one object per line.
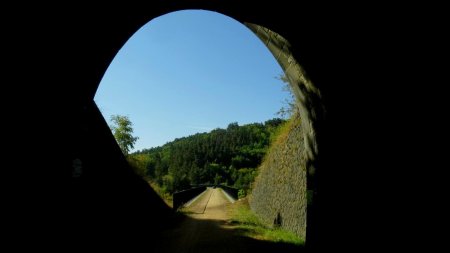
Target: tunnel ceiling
{"x":106,"y":32}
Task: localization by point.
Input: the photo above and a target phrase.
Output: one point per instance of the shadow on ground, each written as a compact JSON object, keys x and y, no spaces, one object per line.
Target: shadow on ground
{"x":199,"y":235}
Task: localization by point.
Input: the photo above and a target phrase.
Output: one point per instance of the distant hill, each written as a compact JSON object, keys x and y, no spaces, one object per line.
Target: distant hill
{"x":223,"y":156}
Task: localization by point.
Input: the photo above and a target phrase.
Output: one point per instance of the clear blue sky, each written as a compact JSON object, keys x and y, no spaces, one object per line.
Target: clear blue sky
{"x":188,"y":72}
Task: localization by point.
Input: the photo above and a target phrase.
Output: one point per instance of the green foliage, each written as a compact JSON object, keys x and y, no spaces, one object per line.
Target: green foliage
{"x":224,"y":156}
{"x":122,"y":129}
{"x":244,"y":178}
{"x":290,"y":107}
{"x":139,"y":164}
{"x":163,"y":193}
{"x":241,"y":193}
{"x":248,"y":224}
{"x":168,"y":183}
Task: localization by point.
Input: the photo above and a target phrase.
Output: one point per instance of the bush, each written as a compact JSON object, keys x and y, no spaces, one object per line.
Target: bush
{"x":241,"y":193}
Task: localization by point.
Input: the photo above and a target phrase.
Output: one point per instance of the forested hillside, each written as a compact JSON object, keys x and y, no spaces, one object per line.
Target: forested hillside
{"x":223,"y":156}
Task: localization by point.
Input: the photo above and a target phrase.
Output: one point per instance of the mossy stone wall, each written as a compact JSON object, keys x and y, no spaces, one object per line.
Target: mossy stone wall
{"x":279,"y":191}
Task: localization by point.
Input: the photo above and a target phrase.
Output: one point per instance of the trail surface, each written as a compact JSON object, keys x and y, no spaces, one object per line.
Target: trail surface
{"x":207,"y":229}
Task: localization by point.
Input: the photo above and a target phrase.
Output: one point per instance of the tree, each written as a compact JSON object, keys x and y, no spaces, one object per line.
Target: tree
{"x":122,"y":129}
{"x":223,"y":156}
{"x":291,"y":108}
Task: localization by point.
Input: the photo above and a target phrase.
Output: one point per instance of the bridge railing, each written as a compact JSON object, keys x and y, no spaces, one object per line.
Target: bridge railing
{"x":182,"y":197}
{"x":233,"y":192}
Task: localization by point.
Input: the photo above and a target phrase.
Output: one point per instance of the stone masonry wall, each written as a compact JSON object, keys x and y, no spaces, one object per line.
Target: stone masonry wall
{"x":279,"y":191}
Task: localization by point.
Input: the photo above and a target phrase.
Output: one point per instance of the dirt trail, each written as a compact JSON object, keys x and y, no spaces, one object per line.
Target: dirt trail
{"x":211,"y":206}
{"x":207,"y":229}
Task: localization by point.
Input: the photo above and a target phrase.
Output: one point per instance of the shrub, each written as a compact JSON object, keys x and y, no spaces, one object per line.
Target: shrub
{"x":241,"y":193}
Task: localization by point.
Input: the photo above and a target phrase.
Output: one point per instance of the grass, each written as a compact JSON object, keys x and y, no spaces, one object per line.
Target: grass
{"x":248,"y":224}
{"x":281,"y":133}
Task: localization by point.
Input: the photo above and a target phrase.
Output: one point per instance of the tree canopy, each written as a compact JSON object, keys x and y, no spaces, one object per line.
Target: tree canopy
{"x":122,"y":129}
{"x":223,"y":156}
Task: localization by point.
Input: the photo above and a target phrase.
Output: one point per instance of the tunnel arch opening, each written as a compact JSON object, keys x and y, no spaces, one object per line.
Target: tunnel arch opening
{"x":307,"y":96}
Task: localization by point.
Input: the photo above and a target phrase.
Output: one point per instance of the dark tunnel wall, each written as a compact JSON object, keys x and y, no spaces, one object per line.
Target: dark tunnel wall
{"x":107,"y":198}
{"x":65,"y":54}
